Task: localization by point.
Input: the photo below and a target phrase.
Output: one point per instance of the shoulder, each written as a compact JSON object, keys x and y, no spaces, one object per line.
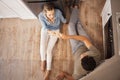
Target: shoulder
{"x":94,"y":51}
{"x":41,"y":15}
{"x":57,"y":11}
{"x":93,"y":48}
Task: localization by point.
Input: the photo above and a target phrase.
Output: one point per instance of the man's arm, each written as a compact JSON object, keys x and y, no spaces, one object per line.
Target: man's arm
{"x":87,"y":42}
{"x":84,"y":39}
{"x":80,"y":38}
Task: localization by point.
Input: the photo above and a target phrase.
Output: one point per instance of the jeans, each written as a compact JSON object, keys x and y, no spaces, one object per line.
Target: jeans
{"x":47,"y":44}
{"x":75,"y":28}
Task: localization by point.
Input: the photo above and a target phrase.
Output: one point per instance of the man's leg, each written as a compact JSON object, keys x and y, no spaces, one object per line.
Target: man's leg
{"x":72,"y":29}
{"x":81,"y":31}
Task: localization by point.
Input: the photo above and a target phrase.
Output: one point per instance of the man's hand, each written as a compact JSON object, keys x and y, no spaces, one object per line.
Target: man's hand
{"x":63,"y":36}
{"x":61,"y":76}
{"x":58,"y":34}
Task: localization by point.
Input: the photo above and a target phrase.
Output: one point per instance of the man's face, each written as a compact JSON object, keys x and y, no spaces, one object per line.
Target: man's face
{"x":50,"y":14}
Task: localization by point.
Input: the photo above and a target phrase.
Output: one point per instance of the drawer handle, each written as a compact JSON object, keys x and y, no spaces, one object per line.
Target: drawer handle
{"x":108,"y":14}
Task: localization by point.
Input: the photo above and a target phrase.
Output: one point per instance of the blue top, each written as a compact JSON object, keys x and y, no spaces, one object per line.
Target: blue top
{"x":52,"y":26}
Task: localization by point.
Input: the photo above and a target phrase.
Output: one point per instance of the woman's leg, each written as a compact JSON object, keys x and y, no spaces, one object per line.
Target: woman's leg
{"x":43,"y":48}
{"x":51,"y":44}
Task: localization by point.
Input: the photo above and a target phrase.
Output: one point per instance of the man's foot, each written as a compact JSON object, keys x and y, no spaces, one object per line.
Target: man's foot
{"x":43,"y":65}
{"x":47,"y":75}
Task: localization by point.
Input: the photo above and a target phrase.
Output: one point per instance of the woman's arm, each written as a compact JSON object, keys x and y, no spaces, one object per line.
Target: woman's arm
{"x":61,"y":17}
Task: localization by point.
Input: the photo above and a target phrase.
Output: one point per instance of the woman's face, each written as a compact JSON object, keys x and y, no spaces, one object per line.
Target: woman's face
{"x":50,"y":14}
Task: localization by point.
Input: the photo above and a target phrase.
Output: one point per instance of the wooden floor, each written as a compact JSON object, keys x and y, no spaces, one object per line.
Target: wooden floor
{"x":19,"y":51}
{"x":20,"y":40}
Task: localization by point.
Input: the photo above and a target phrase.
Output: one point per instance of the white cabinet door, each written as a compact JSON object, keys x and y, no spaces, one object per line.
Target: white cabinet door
{"x":6,"y":12}
{"x":15,"y":8}
{"x":118,"y":30}
{"x":106,"y":12}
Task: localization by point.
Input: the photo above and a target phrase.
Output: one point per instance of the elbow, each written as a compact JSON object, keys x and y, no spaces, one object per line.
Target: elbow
{"x":65,"y":21}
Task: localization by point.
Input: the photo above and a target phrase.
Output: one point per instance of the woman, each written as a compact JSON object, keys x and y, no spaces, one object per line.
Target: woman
{"x":50,"y":19}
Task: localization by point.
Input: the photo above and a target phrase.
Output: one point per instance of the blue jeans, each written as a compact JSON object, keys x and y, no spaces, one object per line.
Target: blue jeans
{"x":75,"y":28}
{"x":47,"y":44}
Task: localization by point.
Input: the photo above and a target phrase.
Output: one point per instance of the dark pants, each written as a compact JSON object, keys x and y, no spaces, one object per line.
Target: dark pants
{"x":75,"y":28}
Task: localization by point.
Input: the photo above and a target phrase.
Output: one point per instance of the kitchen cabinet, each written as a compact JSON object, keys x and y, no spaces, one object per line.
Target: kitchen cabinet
{"x":107,"y":30}
{"x":15,"y":9}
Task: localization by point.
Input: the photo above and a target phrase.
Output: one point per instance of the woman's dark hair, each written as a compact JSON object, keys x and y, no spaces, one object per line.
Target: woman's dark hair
{"x":48,"y":6}
{"x":88,"y":63}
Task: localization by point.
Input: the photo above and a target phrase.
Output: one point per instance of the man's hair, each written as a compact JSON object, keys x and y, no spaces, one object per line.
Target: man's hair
{"x":88,"y":63}
{"x":48,"y":7}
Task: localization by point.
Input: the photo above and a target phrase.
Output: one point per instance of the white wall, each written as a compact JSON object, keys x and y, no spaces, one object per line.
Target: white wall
{"x":15,"y":8}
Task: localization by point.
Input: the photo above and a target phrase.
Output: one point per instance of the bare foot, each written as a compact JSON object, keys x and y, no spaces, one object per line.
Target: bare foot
{"x":47,"y":75}
{"x":43,"y":65}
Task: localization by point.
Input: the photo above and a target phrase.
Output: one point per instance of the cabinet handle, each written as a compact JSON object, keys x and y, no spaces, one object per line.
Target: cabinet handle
{"x":118,"y":20}
{"x":108,"y":14}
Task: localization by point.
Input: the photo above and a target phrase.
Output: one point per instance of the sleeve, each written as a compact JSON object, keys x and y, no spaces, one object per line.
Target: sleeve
{"x":93,"y":51}
{"x":42,"y":21}
{"x":61,"y":17}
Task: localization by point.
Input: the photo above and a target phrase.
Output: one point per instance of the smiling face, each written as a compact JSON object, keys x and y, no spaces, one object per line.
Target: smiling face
{"x":50,"y":14}
{"x":49,"y":11}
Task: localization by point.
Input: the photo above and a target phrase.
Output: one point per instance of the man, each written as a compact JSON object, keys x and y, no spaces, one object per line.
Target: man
{"x":86,"y":56}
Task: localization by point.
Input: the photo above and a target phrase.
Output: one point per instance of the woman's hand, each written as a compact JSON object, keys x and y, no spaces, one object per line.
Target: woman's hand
{"x":58,"y":34}
{"x":53,"y":33}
